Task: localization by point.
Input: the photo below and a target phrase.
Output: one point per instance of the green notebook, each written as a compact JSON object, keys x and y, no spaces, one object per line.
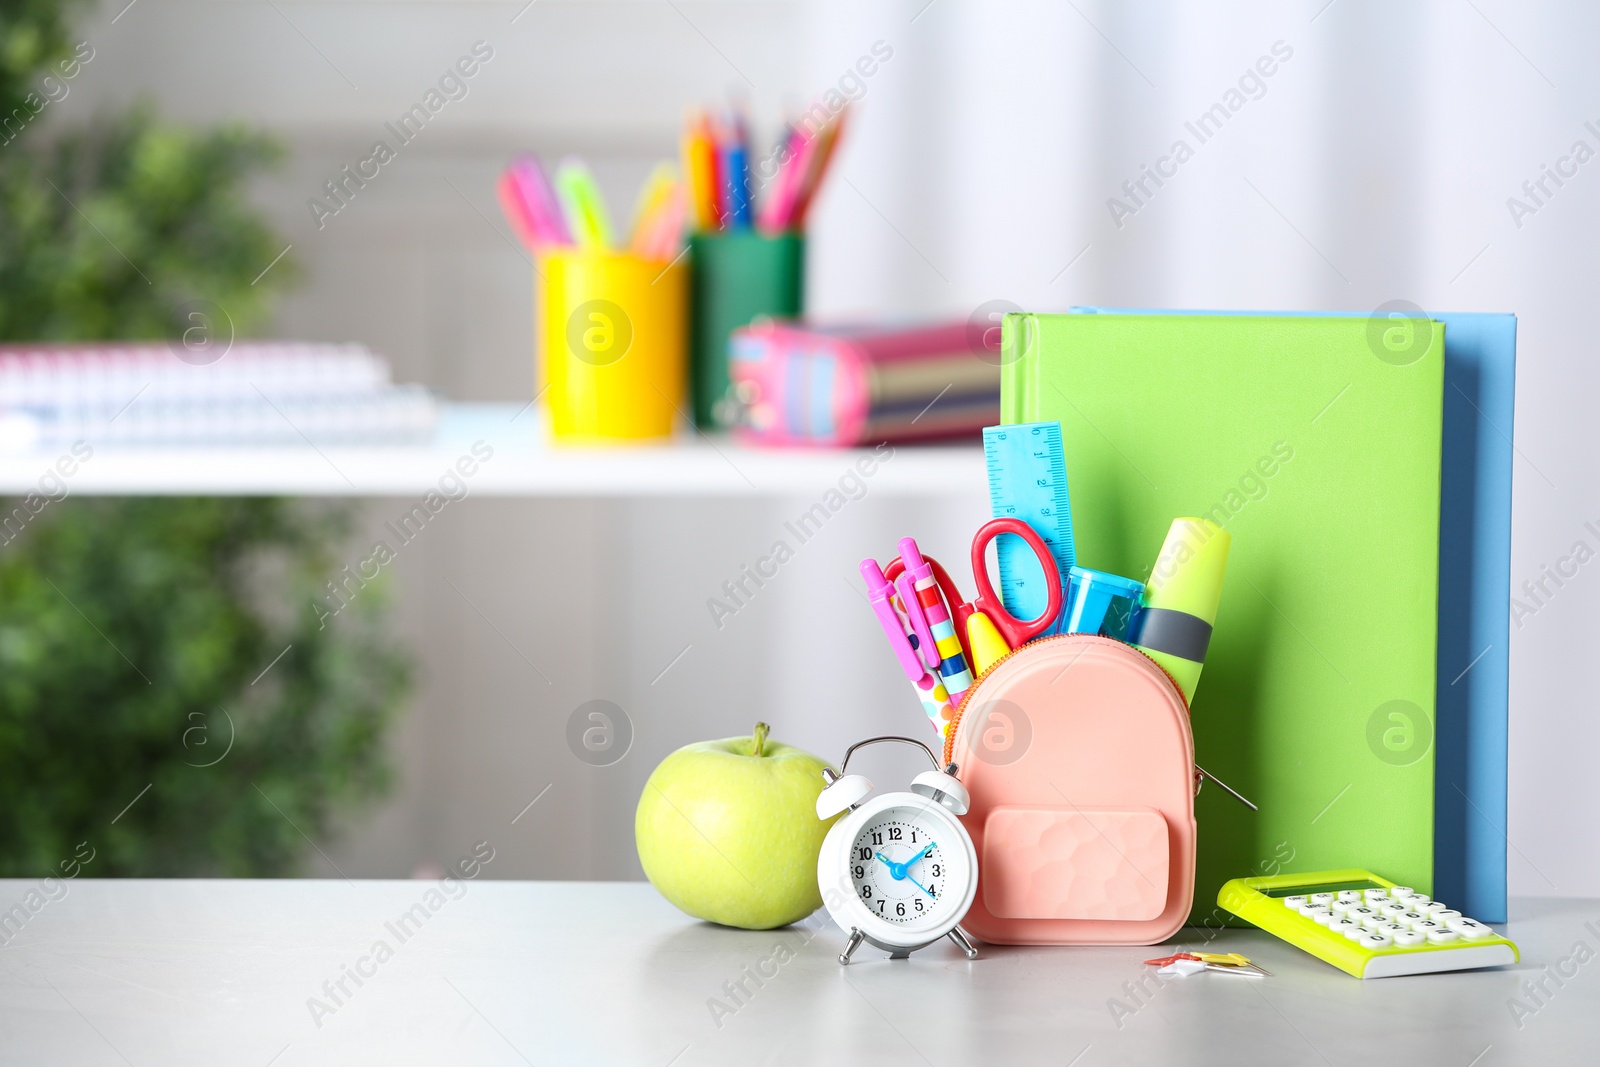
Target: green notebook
{"x":1322,"y":460}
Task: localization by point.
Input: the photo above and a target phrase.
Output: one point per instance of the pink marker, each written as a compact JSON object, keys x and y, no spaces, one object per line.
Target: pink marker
{"x":929,"y":688}
{"x":879,"y":595}
{"x":539,"y":197}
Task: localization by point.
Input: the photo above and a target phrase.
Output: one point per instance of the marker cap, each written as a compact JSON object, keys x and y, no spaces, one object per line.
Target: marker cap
{"x":1180,"y":599}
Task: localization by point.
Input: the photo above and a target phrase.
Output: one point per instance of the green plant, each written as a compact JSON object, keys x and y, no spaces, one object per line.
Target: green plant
{"x":134,"y":633}
{"x":108,"y":230}
{"x":171,"y":643}
{"x":111,"y":228}
{"x":33,"y":34}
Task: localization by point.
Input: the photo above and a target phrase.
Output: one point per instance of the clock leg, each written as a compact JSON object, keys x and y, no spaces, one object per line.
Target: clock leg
{"x":962,"y":943}
{"x":850,"y":946}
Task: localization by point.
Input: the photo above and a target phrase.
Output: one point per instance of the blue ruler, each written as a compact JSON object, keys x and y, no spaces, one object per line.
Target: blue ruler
{"x":1028,"y":481}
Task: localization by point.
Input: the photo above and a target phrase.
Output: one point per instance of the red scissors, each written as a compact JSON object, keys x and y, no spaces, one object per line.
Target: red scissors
{"x":1016,"y":631}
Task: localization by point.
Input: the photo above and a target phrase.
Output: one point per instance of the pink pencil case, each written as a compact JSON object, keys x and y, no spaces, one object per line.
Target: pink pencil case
{"x":1079,"y":758}
{"x":794,"y":384}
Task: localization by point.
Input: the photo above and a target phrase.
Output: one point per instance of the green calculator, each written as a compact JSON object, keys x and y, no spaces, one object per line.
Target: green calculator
{"x":1365,"y":925}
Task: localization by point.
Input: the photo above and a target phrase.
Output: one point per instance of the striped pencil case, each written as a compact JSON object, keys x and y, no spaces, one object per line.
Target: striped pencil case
{"x":838,"y":386}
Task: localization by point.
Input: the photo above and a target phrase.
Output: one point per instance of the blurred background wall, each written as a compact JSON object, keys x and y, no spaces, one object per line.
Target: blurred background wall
{"x":1375,"y":163}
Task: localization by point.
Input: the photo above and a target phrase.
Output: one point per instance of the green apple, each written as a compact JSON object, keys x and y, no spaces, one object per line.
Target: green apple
{"x":728,"y":831}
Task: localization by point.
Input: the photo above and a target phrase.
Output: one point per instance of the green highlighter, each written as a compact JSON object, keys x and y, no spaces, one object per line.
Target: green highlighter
{"x":1180,"y":600}
{"x":583,"y":205}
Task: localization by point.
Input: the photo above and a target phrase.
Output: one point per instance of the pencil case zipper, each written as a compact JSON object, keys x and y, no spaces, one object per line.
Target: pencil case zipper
{"x":977,"y":683}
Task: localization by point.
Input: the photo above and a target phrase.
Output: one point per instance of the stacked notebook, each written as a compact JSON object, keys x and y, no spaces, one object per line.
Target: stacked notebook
{"x":1333,"y":698}
{"x":257,"y":393}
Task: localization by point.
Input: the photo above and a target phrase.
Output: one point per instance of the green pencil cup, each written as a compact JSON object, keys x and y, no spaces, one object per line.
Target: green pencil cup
{"x":735,"y":276}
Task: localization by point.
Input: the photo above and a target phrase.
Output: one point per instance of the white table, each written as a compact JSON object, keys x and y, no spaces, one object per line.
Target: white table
{"x":221,"y":972}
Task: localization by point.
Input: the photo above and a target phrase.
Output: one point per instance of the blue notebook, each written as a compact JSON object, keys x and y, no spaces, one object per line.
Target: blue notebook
{"x":1480,"y":354}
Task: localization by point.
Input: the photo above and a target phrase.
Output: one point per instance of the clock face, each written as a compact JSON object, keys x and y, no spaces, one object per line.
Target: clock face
{"x":899,"y":869}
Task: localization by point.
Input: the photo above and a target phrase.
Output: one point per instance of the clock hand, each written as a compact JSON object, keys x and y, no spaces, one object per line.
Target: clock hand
{"x":897,"y":871}
{"x":922,"y":887}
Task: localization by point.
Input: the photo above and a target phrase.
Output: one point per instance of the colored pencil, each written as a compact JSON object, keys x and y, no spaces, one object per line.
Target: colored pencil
{"x":828,"y":137}
{"x":775,"y":209}
{"x":699,"y":168}
{"x":735,"y":156}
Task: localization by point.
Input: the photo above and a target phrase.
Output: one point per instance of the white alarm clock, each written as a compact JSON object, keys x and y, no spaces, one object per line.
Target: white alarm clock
{"x":899,"y":870}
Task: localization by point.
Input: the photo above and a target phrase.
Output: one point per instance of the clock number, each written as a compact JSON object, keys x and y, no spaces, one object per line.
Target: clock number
{"x":864,"y":854}
{"x":861,"y":872}
{"x":913,"y":837}
{"x":934,"y":870}
{"x":919,"y":903}
{"x":877,"y":838}
{"x":866,"y":892}
{"x":881,"y":903}
{"x":894,"y":833}
{"x":899,"y":909}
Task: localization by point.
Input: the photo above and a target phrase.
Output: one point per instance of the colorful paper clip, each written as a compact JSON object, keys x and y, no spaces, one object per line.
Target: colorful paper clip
{"x":1226,"y":962}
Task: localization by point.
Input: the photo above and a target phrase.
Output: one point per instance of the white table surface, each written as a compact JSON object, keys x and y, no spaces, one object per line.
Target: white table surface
{"x":220,"y":973}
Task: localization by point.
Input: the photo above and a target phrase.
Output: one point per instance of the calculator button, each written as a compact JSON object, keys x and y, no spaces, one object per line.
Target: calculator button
{"x":1393,"y":928}
{"x":1295,"y":902}
{"x":1427,"y":926}
{"x":1360,"y":913}
{"x":1375,"y":941}
{"x":1375,"y":922}
{"x":1472,"y":931}
{"x":1355,"y":933}
{"x":1341,"y":907}
{"x":1431,"y":907}
{"x":1393,"y":908}
{"x":1375,"y":894}
{"x":1417,"y":899}
{"x":1326,"y":918}
{"x":1444,"y":915}
{"x":1350,"y":896}
{"x":1442,"y":937}
{"x":1313,"y":910}
{"x":1344,"y":926}
{"x":1410,"y":918}
{"x":1409,"y":938}
{"x":1400,"y":892}
{"x":1322,"y":898}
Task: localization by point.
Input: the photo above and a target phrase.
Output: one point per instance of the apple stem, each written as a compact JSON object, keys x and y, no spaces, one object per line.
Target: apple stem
{"x":759,"y":741}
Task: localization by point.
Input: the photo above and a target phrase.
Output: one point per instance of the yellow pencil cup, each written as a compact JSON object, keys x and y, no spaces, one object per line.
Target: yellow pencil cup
{"x":612,"y":344}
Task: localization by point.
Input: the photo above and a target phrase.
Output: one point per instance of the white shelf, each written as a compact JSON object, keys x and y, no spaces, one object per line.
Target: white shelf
{"x":524,"y":464}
